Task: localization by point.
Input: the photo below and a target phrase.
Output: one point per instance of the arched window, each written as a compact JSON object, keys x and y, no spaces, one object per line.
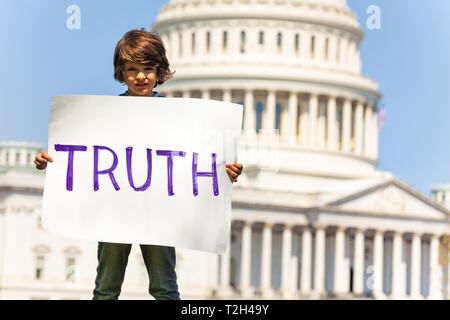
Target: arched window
{"x":70,"y":269}
{"x":72,"y":254}
{"x":297,"y":43}
{"x":327,"y":44}
{"x":39,"y":267}
{"x":40,"y":252}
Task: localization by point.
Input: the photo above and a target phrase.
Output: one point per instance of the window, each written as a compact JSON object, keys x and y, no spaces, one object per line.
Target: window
{"x":261,"y":37}
{"x":7,"y":158}
{"x":17,"y":157}
{"x":224,"y":40}
{"x":208,"y":41}
{"x":29,"y":158}
{"x":279,"y":40}
{"x":327,"y":44}
{"x":193,"y":43}
{"x":278,"y":111}
{"x":39,"y":269}
{"x":259,"y":110}
{"x":297,"y":43}
{"x":70,"y":269}
{"x":242,"y":41}
{"x":313,"y":44}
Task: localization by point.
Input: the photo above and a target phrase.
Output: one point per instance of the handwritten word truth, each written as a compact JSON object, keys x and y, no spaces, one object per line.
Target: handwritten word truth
{"x":170,"y":154}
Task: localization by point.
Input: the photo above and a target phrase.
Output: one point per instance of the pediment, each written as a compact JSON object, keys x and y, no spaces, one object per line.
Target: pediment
{"x":392,"y":198}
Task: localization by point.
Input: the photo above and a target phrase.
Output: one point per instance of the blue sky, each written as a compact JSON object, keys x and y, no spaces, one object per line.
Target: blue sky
{"x":408,"y":57}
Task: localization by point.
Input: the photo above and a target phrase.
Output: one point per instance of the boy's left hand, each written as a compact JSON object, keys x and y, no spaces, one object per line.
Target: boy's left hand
{"x":234,"y":170}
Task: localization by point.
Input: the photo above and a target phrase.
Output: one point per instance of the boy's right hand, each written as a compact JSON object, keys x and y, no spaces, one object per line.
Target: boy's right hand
{"x":41,"y":160}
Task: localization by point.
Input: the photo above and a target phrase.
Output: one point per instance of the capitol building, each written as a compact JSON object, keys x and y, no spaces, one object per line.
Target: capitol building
{"x":312,"y":218}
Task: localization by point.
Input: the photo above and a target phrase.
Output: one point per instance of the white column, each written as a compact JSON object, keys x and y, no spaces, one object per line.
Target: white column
{"x":320,"y":47}
{"x":304,"y":123}
{"x":321,"y":125}
{"x":206,"y":94}
{"x":225,"y":287}
{"x":245,"y":288}
{"x":270,"y":112}
{"x":319,"y":265}
{"x":266,"y":261}
{"x":374,"y":126}
{"x":343,"y":53}
{"x":185,"y":93}
{"x":305,"y":280}
{"x":435,"y":279}
{"x":249,"y":113}
{"x":331,"y":122}
{"x":378,"y":243}
{"x":339,"y":247}
{"x":293,"y":116}
{"x":367,"y":131}
{"x":398,"y":291}
{"x":358,"y":275}
{"x":332,"y":52}
{"x":305,"y":45}
{"x":226,"y":95}
{"x":416,"y":254}
{"x":313,"y":106}
{"x":346,"y":125}
{"x":286,"y":253}
{"x":216,"y":43}
{"x":234,"y":38}
{"x":358,"y":127}
{"x":186,"y":51}
{"x":200,"y":44}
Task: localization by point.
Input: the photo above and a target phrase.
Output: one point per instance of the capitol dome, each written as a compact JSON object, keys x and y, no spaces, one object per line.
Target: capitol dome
{"x":295,"y":66}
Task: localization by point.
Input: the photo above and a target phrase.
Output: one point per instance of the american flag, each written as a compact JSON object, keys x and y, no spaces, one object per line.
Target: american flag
{"x":381,"y":117}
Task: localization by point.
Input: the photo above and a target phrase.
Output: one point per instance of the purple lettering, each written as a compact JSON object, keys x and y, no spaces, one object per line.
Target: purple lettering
{"x":212,"y":174}
{"x":169,"y":154}
{"x":108,"y":171}
{"x":149,"y":170}
{"x":71,"y":149}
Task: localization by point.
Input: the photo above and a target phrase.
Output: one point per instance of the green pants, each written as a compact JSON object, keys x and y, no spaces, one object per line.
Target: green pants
{"x":112,"y":262}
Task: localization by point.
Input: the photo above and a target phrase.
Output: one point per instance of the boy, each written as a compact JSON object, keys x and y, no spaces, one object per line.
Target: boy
{"x":140,"y":62}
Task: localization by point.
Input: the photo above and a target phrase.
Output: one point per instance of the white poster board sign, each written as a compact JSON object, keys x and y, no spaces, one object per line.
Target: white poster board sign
{"x":143,"y":170}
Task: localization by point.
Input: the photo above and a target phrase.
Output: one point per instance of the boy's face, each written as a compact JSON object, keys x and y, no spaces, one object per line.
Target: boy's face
{"x":140,"y":78}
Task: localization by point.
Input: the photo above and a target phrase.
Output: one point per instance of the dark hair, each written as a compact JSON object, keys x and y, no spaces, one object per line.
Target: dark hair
{"x":142,"y":47}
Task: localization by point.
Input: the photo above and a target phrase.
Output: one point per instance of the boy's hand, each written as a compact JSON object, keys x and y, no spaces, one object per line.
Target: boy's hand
{"x":234,"y":170}
{"x":41,"y":160}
